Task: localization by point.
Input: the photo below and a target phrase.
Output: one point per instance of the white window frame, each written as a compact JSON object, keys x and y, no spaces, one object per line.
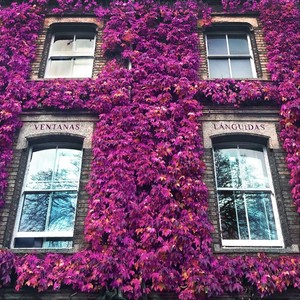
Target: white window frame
{"x":44,"y":234}
{"x":69,"y":55}
{"x":230,"y":56}
{"x":279,"y":243}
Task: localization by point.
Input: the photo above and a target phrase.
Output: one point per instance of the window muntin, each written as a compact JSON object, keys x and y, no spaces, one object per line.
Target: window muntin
{"x":247,"y":208}
{"x":229,"y":55}
{"x":48,"y":204}
{"x":71,"y":55}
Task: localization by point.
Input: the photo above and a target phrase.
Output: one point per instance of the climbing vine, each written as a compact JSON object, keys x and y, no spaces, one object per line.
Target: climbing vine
{"x":147,"y":226}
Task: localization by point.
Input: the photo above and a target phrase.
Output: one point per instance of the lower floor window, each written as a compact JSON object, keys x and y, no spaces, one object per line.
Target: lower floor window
{"x":47,"y":207}
{"x":247,"y":207}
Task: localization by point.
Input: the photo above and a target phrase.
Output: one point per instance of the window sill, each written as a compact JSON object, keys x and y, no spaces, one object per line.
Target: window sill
{"x":236,"y":79}
{"x":276,"y":250}
{"x":45,"y":251}
{"x":62,"y":78}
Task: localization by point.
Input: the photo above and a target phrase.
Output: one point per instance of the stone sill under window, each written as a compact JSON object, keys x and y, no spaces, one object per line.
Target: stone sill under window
{"x":45,"y":251}
{"x":64,"y":78}
{"x":274,"y":250}
{"x":236,"y":79}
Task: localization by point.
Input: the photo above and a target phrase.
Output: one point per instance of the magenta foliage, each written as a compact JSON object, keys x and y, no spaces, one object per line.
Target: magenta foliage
{"x":66,"y":6}
{"x":146,"y":210}
{"x":85,"y":271}
{"x":81,"y":6}
{"x":147,"y":226}
{"x":18,"y":35}
{"x":281,"y":28}
{"x":7,"y":263}
{"x":237,"y":93}
{"x":62,"y":94}
{"x":284,"y":56}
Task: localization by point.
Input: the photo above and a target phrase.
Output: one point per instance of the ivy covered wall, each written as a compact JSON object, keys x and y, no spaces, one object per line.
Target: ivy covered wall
{"x":147,"y":225}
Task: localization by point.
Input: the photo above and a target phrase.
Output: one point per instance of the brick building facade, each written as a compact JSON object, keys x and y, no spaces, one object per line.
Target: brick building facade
{"x":249,"y":201}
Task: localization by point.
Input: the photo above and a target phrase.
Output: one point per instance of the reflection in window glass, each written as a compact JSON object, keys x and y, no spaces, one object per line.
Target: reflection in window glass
{"x":40,"y":170}
{"x":239,"y":168}
{"x":85,"y":42}
{"x":59,"y":68}
{"x":71,"y":55}
{"x":62,"y":214}
{"x":247,"y":216}
{"x":28,"y":243}
{"x":219,"y":68}
{"x":83,"y":66}
{"x":229,"y":55}
{"x":62,"y":43}
{"x":34,"y":212}
{"x":66,"y":175}
{"x":246,"y":205}
{"x":238,"y":44}
{"x":57,"y":243}
{"x":217,"y":44}
{"x":241,"y":68}
{"x":261,"y":218}
{"x":50,"y":197}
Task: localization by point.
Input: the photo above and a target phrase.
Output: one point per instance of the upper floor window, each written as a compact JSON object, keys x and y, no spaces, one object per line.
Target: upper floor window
{"x":229,"y":55}
{"x":71,"y":53}
{"x":247,"y":207}
{"x":47,"y":206}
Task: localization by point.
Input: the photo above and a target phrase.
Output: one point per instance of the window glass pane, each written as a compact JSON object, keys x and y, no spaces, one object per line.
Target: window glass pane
{"x":242,"y":225}
{"x":85,"y":43}
{"x":216,"y":44}
{"x":68,"y":163}
{"x":62,"y":211}
{"x":83,"y":67}
{"x":57,"y":243}
{"x":241,"y":68}
{"x":253,"y":168}
{"x":218,"y":68}
{"x":241,"y":168}
{"x":28,"y":243}
{"x":233,"y":216}
{"x":42,"y":243}
{"x":247,"y":212}
{"x":238,"y":44}
{"x":62,"y":43}
{"x":228,"y":215}
{"x":40,"y":171}
{"x":261,"y":217}
{"x":227,"y":168}
{"x":34,"y":212}
{"x":59,"y":68}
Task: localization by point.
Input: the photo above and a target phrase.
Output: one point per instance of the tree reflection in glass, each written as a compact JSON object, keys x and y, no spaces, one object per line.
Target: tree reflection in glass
{"x":62,"y":213}
{"x":244,"y":194}
{"x":41,"y":169}
{"x":50,"y":195}
{"x":34,"y":212}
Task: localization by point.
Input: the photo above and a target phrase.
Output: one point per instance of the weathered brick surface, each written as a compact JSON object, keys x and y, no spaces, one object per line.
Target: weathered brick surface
{"x":82,"y":205}
{"x":15,"y":181}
